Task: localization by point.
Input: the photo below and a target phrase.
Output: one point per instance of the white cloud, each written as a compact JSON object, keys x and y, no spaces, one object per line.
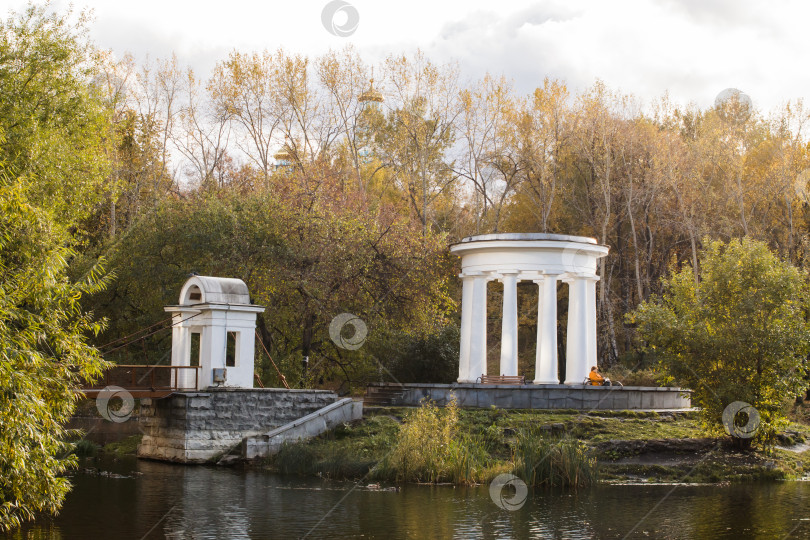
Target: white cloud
{"x":644,"y":48}
{"x":691,"y":48}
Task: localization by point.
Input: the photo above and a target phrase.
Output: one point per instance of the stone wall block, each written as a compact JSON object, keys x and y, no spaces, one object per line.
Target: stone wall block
{"x":198,"y":402}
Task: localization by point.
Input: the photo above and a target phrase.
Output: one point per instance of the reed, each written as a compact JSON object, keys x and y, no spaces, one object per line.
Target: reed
{"x":552,"y":461}
{"x":430,"y":449}
{"x":295,"y":458}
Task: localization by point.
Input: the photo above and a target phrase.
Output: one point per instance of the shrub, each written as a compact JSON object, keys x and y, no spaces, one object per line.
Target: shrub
{"x":431,"y":357}
{"x":638,"y":377}
{"x":295,"y":458}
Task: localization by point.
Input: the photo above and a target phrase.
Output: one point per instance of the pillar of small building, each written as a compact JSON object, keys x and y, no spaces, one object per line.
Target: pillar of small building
{"x":590,"y":306}
{"x":181,"y":352}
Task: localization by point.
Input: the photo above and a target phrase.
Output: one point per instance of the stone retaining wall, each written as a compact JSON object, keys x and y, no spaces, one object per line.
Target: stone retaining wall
{"x":556,"y":396}
{"x":196,"y":427}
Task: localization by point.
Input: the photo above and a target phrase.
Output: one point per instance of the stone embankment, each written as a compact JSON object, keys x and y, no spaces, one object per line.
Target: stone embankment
{"x":200,"y":426}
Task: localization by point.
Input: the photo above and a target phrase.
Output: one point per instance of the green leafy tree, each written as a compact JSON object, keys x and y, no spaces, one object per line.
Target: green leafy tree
{"x":43,"y":355}
{"x":53,"y":115}
{"x":53,"y":169}
{"x":740,"y":333}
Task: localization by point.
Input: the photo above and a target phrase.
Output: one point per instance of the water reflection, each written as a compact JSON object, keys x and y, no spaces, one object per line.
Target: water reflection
{"x":156,"y":500}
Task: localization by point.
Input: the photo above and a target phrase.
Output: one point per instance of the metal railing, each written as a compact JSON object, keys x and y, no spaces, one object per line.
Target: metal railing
{"x":148,"y":380}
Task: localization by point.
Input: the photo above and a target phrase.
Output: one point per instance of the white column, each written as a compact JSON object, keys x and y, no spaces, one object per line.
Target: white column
{"x":590,"y":307}
{"x":509,"y":323}
{"x":547,"y":333}
{"x":576,"y":339}
{"x":478,"y":328}
{"x":464,"y":374}
{"x":537,"y":364}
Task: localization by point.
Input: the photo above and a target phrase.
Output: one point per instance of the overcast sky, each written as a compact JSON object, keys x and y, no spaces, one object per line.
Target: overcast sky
{"x":692,"y":49}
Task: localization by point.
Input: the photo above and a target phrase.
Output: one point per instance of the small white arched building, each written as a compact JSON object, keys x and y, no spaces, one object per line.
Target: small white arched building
{"x":544,"y":259}
{"x":217,"y":320}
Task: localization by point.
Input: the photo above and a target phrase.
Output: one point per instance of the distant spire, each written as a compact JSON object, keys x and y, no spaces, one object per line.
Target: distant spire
{"x":371,"y":94}
{"x":284,"y":153}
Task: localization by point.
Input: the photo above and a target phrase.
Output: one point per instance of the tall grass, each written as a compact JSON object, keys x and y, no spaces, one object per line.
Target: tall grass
{"x":85,"y":448}
{"x":334,"y":462}
{"x":295,"y":458}
{"x":429,"y":448}
{"x":433,"y":446}
{"x":558,"y":462}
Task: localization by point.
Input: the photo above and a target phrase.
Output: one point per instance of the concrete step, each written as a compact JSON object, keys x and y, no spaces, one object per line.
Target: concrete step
{"x":383,"y":395}
{"x":311,"y":425}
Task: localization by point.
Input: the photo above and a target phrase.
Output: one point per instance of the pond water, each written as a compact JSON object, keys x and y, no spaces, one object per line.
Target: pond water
{"x":135,"y":499}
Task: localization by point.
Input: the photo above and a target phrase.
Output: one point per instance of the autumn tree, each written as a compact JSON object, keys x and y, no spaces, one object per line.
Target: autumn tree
{"x":492,"y":160}
{"x":544,"y":130}
{"x":420,"y":130}
{"x":344,"y":79}
{"x":242,"y":89}
{"x":202,"y":133}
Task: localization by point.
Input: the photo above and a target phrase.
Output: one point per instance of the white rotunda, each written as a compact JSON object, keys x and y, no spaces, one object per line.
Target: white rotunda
{"x":544,"y":259}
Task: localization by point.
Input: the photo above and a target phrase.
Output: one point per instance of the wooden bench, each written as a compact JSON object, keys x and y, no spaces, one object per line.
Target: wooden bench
{"x":502,"y":379}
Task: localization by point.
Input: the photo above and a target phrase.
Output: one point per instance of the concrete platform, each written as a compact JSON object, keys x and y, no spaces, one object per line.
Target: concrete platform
{"x":534,"y":396}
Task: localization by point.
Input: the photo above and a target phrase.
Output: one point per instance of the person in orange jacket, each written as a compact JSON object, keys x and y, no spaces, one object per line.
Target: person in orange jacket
{"x":596,"y":378}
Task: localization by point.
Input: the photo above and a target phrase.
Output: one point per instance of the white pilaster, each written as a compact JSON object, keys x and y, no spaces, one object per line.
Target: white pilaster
{"x":181,"y":352}
{"x":509,"y":323}
{"x":547,"y":333}
{"x":576,"y":368}
{"x":478,"y":327}
{"x":181,"y":347}
{"x":464,"y":374}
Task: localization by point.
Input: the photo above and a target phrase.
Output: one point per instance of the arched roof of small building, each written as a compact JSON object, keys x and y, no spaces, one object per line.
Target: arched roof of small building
{"x":214,"y":290}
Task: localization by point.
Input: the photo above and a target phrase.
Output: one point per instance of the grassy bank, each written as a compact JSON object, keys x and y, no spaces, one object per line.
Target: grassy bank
{"x":564,"y":447}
